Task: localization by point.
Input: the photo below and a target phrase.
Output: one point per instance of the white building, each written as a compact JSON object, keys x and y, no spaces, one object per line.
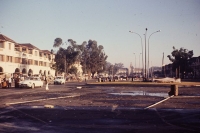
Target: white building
{"x":122,"y":72}
{"x":24,"y":59}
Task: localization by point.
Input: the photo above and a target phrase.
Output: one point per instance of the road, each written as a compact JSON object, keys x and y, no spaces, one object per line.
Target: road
{"x":76,"y":107}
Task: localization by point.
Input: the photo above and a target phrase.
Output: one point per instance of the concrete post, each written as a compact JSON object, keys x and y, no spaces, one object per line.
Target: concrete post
{"x":174,"y":90}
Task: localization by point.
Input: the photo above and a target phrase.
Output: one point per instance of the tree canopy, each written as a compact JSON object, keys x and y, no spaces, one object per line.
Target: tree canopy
{"x":91,"y":56}
{"x":65,"y":57}
{"x":179,"y":59}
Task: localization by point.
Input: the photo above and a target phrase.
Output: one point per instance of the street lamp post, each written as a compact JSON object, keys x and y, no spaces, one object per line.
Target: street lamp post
{"x":148,"y":52}
{"x":142,"y":51}
{"x":145,"y":69}
{"x":139,"y":61}
{"x":135,"y":63}
{"x":85,"y":69}
{"x":145,"y":73}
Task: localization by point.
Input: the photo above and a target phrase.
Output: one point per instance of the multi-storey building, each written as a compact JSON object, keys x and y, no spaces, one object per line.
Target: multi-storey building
{"x":24,"y":59}
{"x":195,"y":65}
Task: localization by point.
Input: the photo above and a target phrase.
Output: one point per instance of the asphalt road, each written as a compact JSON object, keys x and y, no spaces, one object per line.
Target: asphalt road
{"x":79,"y":108}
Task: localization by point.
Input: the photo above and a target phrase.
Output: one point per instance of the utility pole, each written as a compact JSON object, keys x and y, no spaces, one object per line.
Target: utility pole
{"x":145,"y":69}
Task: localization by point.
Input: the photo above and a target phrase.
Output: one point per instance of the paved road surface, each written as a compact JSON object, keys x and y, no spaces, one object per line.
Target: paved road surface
{"x":76,"y":108}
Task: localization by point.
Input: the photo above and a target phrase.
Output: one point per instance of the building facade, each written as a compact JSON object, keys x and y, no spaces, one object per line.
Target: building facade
{"x":24,"y":59}
{"x":195,"y":65}
{"x":193,"y":71}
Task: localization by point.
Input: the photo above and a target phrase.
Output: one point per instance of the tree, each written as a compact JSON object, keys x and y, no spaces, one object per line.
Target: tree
{"x":57,"y":42}
{"x":117,"y":66}
{"x":179,"y":60}
{"x":89,"y":54}
{"x":73,"y":70}
{"x":95,"y":57}
{"x":112,"y":69}
{"x":65,"y":57}
{"x":92,"y":57}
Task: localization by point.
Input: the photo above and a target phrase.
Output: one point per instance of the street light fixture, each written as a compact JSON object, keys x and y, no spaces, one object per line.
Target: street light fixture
{"x":148,"y":52}
{"x":145,"y":67}
{"x":142,"y":51}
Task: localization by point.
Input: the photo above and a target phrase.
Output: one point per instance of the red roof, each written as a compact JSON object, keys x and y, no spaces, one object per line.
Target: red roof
{"x":28,"y":45}
{"x":5,"y":38}
{"x":46,"y":51}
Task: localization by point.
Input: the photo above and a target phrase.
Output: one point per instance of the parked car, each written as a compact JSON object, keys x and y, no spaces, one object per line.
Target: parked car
{"x":31,"y":82}
{"x":165,"y":80}
{"x":59,"y":80}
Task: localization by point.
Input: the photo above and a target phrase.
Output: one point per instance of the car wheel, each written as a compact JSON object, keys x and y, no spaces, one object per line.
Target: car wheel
{"x":33,"y":86}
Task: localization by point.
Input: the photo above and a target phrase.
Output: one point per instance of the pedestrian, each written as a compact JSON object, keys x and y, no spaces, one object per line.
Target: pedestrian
{"x":17,"y":82}
{"x":0,"y":83}
{"x":47,"y":82}
{"x":9,"y":82}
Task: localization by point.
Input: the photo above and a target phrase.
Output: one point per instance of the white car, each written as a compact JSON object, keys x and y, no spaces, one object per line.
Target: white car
{"x":59,"y":80}
{"x":31,"y":82}
{"x":166,"y":80}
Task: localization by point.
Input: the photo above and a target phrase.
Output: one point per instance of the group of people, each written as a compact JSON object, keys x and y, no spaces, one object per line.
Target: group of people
{"x":5,"y":82}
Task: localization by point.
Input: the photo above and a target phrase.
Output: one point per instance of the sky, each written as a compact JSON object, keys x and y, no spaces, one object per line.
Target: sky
{"x":108,"y":22}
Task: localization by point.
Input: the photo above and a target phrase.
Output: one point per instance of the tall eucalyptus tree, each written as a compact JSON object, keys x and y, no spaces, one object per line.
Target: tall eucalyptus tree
{"x":65,"y":57}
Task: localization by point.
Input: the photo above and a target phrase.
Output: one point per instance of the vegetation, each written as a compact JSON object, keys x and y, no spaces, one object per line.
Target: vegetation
{"x":112,"y":69}
{"x":89,"y":54}
{"x":65,"y":57}
{"x":179,"y":60}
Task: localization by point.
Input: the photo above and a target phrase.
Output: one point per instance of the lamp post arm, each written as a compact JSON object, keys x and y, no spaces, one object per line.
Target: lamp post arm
{"x":142,"y":51}
{"x":148,"y":49}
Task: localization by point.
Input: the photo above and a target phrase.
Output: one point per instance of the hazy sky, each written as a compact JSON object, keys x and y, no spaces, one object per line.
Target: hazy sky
{"x":108,"y":22}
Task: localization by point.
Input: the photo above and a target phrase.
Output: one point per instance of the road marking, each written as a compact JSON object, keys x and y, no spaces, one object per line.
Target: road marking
{"x":12,"y":125}
{"x":159,"y":102}
{"x":42,"y":100}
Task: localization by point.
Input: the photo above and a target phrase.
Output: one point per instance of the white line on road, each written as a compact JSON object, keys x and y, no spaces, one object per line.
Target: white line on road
{"x":41,"y":100}
{"x":158,"y":102}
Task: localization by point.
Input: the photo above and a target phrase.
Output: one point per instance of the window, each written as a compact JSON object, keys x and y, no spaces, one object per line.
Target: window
{"x":30,"y":51}
{"x":9,"y":59}
{"x":36,"y":53}
{"x":40,"y":63}
{"x":1,"y":45}
{"x":30,"y":62}
{"x":36,"y":62}
{"x":9,"y":46}
{"x":17,"y":49}
{"x":24,"y":50}
{"x":1,"y":57}
{"x":24,"y":61}
{"x":40,"y":54}
{"x":17,"y":60}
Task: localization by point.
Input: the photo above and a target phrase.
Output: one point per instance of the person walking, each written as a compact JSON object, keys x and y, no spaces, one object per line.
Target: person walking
{"x":47,"y":82}
{"x":9,"y":82}
{"x":0,"y":83}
